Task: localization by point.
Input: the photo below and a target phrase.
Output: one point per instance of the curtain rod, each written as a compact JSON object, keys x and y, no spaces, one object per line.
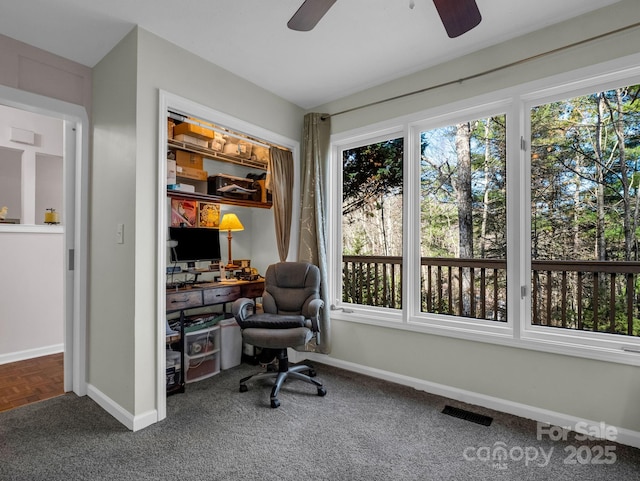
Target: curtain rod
{"x":485,"y":72}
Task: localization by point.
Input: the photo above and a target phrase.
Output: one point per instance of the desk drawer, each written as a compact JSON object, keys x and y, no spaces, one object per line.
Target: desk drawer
{"x":183,"y":300}
{"x":220,"y":295}
{"x":253,"y":290}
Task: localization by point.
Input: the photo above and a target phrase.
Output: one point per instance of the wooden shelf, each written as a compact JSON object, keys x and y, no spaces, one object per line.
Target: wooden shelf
{"x":218,"y":199}
{"x":212,"y":154}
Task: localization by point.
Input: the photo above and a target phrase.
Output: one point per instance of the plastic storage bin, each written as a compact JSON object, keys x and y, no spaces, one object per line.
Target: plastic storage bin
{"x":231,"y":344}
{"x":202,"y":353}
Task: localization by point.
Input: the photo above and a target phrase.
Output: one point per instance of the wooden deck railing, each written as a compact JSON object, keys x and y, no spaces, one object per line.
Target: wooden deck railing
{"x":583,"y":295}
{"x":587,"y":295}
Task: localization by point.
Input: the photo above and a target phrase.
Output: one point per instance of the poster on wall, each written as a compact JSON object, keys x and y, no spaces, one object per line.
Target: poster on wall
{"x":208,"y":215}
{"x":184,"y":213}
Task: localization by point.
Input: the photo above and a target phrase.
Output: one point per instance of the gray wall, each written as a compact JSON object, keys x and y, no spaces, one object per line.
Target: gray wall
{"x":124,"y":190}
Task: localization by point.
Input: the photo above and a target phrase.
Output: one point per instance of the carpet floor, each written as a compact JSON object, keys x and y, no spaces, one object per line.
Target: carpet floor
{"x":363,"y":429}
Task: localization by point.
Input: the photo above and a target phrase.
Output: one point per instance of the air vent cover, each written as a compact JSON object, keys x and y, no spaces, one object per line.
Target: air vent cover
{"x":467,"y":415}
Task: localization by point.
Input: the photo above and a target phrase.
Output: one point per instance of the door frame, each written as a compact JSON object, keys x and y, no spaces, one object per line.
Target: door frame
{"x":169,"y":101}
{"x":76,"y":146}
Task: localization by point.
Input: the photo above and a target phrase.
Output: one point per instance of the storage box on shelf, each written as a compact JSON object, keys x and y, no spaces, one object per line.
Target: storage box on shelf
{"x":192,"y":130}
{"x":174,"y":368}
{"x":227,"y":150}
{"x":191,"y":173}
{"x":198,"y":147}
{"x":189,"y":159}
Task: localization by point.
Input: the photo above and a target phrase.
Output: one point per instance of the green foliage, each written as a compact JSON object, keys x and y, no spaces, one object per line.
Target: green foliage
{"x":585,"y":205}
{"x":371,"y":172}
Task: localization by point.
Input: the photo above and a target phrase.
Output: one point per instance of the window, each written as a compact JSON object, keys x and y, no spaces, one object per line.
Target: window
{"x":585,"y":209}
{"x":519,"y":226}
{"x":463,"y":242}
{"x":372,"y":224}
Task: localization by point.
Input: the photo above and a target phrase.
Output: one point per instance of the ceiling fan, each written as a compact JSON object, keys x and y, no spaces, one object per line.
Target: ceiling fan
{"x":458,"y":16}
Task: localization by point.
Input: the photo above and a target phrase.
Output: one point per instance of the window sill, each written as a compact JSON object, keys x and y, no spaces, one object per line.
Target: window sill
{"x":576,"y":345}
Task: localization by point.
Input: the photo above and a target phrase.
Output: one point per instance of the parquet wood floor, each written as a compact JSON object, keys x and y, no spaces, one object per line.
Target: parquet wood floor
{"x":32,"y":380}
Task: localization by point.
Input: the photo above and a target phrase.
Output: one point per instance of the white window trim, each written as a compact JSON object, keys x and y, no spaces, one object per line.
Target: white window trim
{"x":517,"y":331}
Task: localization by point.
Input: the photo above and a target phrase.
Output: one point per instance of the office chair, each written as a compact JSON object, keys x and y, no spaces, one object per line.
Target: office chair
{"x":291,"y":304}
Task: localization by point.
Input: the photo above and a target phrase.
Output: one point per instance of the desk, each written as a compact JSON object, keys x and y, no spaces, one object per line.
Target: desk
{"x":211,"y":294}
{"x":202,"y":295}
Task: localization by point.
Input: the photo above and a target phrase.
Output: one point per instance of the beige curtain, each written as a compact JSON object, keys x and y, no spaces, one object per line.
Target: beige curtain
{"x":313,"y":247}
{"x":280,"y":181}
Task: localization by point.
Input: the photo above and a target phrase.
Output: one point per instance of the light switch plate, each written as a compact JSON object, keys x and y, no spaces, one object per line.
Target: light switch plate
{"x":120,"y":234}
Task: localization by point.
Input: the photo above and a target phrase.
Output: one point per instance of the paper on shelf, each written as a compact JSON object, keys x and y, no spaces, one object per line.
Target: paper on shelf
{"x":236,"y":188}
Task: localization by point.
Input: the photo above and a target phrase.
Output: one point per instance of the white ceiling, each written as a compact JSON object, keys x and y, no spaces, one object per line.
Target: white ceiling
{"x":358,"y":44}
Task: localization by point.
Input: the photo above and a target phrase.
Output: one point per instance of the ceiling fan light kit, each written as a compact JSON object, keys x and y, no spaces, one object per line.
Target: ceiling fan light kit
{"x":458,"y":16}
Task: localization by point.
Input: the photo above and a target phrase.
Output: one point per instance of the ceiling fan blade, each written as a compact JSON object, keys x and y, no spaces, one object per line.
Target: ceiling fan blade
{"x":458,"y":16}
{"x":309,"y":14}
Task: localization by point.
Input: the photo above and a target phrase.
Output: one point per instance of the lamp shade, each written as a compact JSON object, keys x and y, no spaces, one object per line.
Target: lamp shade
{"x":230,"y":222}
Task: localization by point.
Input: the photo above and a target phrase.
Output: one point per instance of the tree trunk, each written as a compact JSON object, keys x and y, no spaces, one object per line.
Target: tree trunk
{"x":485,"y":204}
{"x":463,"y":190}
{"x":600,"y":247}
{"x":464,"y":199}
{"x":627,"y":216}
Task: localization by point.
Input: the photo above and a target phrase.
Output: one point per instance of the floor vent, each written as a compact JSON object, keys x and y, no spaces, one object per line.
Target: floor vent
{"x":467,"y":415}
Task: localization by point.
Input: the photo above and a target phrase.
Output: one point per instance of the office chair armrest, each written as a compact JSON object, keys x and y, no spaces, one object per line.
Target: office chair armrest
{"x":314,"y":313}
{"x":242,"y":308}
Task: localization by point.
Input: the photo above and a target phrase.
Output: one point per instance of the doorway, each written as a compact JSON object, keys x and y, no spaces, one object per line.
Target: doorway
{"x":68,"y":259}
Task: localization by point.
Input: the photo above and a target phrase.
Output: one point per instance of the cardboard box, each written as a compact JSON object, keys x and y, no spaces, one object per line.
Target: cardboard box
{"x":171,"y":171}
{"x":182,"y":187}
{"x":263,"y":190}
{"x":193,"y":130}
{"x":170,"y":125}
{"x":191,"y":173}
{"x":188,"y":139}
{"x":244,"y":150}
{"x":217,"y":144}
{"x":189,"y":159}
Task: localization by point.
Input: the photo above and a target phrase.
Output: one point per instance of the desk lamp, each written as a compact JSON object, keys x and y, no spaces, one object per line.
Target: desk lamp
{"x":230,"y":222}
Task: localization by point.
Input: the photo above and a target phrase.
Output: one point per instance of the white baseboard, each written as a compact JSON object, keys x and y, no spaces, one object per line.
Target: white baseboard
{"x":622,"y":435}
{"x":31,"y":353}
{"x":134,"y":423}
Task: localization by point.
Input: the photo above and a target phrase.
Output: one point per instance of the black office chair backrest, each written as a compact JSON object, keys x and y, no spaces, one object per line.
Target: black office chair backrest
{"x":289,"y":287}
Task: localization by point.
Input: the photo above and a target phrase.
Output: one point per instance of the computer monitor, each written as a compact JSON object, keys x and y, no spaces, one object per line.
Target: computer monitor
{"x":194,"y":245}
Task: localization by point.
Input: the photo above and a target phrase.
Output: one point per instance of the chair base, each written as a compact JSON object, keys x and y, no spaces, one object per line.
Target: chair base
{"x":281,"y":375}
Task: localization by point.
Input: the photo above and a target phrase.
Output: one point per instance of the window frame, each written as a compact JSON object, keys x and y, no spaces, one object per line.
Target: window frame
{"x":383,"y":315}
{"x":560,"y":338}
{"x":515,"y":102}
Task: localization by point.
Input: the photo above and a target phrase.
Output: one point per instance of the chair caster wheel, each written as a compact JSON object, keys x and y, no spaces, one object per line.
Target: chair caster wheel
{"x":322,"y":391}
{"x":275,"y":403}
{"x":312,"y":373}
{"x":243,"y":388}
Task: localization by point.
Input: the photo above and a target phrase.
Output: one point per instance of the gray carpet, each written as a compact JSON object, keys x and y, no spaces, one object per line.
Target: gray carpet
{"x":363,"y":429}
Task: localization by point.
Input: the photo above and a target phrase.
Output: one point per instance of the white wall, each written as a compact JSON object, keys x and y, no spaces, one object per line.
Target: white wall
{"x":31,"y":278}
{"x":31,"y":294}
{"x":587,"y":389}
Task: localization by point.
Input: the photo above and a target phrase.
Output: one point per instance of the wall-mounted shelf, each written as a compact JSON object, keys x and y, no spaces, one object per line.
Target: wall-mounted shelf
{"x":212,"y":154}
{"x":218,"y":199}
